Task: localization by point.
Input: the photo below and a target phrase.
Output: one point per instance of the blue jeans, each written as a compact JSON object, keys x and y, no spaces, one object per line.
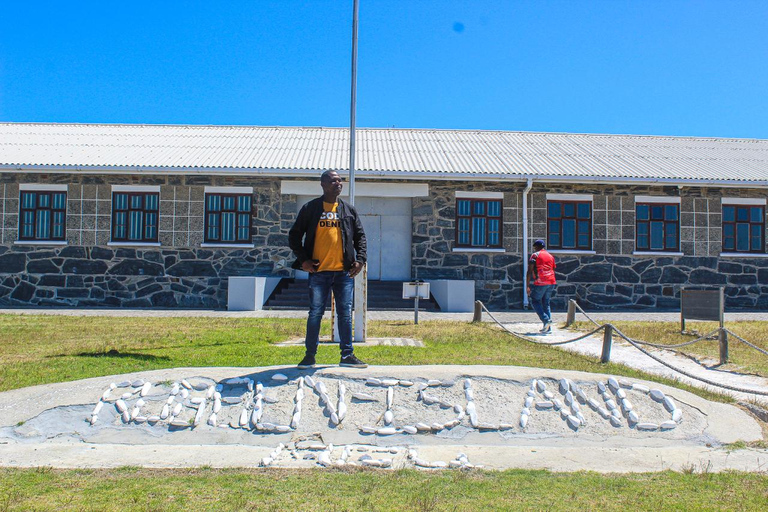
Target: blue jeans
{"x":540,"y":296}
{"x":320,"y":285}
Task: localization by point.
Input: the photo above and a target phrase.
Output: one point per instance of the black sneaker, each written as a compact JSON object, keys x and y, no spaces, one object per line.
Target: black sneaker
{"x":352,"y":362}
{"x":307,"y":362}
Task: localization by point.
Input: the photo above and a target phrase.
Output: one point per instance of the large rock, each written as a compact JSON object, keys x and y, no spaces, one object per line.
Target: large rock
{"x":134,"y":267}
{"x":192,"y":268}
{"x":82,"y":266}
{"x":23,"y":292}
{"x":11,"y":263}
{"x":594,"y":273}
{"x":704,"y":276}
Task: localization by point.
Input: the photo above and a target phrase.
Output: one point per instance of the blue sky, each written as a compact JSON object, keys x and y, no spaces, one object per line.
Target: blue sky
{"x":644,"y":67}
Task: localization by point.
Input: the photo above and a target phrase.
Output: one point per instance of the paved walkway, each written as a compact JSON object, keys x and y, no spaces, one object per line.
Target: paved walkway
{"x":507,"y":316}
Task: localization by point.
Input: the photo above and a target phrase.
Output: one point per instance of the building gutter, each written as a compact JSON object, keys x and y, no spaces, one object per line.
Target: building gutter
{"x":397,"y":175}
{"x":528,"y":185}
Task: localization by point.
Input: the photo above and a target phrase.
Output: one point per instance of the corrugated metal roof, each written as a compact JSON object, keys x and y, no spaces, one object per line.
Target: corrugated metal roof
{"x":396,"y":152}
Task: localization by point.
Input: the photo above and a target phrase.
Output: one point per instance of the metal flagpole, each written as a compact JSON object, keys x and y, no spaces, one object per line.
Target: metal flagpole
{"x":361,"y":281}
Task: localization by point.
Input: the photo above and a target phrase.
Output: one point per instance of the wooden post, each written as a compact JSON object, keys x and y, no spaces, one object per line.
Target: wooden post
{"x":607,"y":342}
{"x":723,"y":336}
{"x":571,"y":315}
{"x":478,"y":316}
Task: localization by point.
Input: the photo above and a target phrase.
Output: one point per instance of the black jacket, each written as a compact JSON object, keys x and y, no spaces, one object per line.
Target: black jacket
{"x":352,"y":234}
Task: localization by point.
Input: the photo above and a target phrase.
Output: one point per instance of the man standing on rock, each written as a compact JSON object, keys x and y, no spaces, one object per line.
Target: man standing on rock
{"x":329,"y":243}
{"x":541,"y":282}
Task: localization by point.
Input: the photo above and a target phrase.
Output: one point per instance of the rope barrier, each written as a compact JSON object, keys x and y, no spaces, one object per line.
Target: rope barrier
{"x":637,"y":344}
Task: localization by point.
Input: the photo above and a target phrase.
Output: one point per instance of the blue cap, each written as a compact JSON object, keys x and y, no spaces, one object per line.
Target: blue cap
{"x":540,"y":242}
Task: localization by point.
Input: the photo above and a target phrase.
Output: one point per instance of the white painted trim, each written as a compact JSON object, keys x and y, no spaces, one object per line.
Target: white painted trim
{"x":567,"y":251}
{"x":743,"y":200}
{"x":40,"y":242}
{"x":229,"y":246}
{"x":479,"y":195}
{"x":228,"y":190}
{"x":657,"y":199}
{"x":743,"y":255}
{"x":362,"y":189}
{"x":479,"y":249}
{"x":42,"y":188}
{"x":136,"y":188}
{"x":134,"y":244}
{"x":656,"y":253}
{"x":569,"y":197}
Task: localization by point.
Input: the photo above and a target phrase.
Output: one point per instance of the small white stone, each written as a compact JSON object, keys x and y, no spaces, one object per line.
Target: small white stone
{"x":106,"y":394}
{"x":388,"y":417}
{"x":321,"y":388}
{"x":266,"y":461}
{"x":126,"y":417}
{"x":564,"y":413}
{"x":594,"y":404}
{"x":621,"y":393}
{"x":669,"y":404}
{"x":127,"y":395}
{"x":564,"y":386}
{"x":216,"y":406}
{"x":184,"y":393}
{"x":209,"y":393}
{"x":153,"y":419}
{"x":640,"y":388}
{"x":94,"y":419}
{"x":668,"y":425}
{"x":165,"y":412}
{"x":531,"y":393}
{"x":451,"y":424}
{"x":297,"y":417}
{"x":615,"y":413}
{"x":447,"y":383}
{"x":186,"y":384}
{"x":217,"y":395}
{"x":98,"y":407}
{"x":575,"y":407}
{"x":438,"y":464}
{"x":544,"y":405}
{"x":363,"y":397}
{"x":526,"y":411}
{"x":423,"y":427}
{"x":437,"y":427}
{"x":112,"y":385}
{"x":243,"y":421}
{"x":568,"y":398}
{"x":573,"y":422}
{"x":269,"y":399}
{"x":616,"y":422}
{"x":549,"y":395}
{"x":170,"y":400}
{"x":433,"y":383}
{"x":469,"y":394}
{"x":124,"y":384}
{"x":540,"y":386}
{"x":610,"y":404}
{"x":487,"y":426}
{"x":467,"y":383}
{"x":506,"y":426}
{"x":121,"y":406}
{"x":632,"y":417}
{"x":199,"y":416}
{"x":372,"y":381}
{"x":647,"y":426}
{"x":523,"y":420}
{"x":342,"y":411}
{"x":558,"y":404}
{"x":406,"y":383}
{"x":368,"y":430}
{"x":386,"y":431}
{"x":410,"y":429}
{"x":582,"y":397}
{"x":197,"y":400}
{"x":626,"y":405}
{"x":458,"y":409}
{"x":534,"y":383}
{"x":390,"y":396}
{"x":528,"y":401}
{"x":657,"y":395}
{"x":135,"y":412}
{"x":600,"y":388}
{"x":279,"y":377}
{"x":613,"y":384}
{"x":176,"y":409}
{"x":282,"y":429}
{"x":389,"y":382}
{"x":604,"y":412}
{"x":677,"y":415}
{"x":175,"y":389}
{"x":625,"y":383}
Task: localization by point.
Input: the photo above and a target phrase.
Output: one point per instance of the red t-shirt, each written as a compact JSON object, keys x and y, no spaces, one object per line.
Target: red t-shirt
{"x":545,"y":268}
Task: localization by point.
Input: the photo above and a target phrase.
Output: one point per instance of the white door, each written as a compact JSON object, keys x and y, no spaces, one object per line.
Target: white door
{"x":388,"y":226}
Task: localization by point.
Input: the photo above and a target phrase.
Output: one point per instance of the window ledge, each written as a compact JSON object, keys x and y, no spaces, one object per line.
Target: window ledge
{"x":477,"y":249}
{"x":743,"y":255}
{"x":657,"y":253}
{"x":569,"y":251}
{"x":134,"y":244}
{"x":229,"y":246}
{"x":40,"y":242}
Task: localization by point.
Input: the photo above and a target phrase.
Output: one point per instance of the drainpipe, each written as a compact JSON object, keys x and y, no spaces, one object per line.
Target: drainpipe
{"x":528,"y":186}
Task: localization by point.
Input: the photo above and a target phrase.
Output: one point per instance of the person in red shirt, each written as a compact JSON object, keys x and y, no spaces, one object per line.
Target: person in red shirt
{"x":541,"y":283}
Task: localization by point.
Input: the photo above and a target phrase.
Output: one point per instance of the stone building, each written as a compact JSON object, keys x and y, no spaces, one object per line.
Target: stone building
{"x":162,"y":216}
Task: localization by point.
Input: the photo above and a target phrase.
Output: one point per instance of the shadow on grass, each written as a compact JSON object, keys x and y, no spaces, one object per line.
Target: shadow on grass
{"x":116,"y":354}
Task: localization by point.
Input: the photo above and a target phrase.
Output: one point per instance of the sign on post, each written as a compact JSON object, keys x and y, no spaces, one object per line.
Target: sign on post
{"x":416,"y":290}
{"x":708,"y":305}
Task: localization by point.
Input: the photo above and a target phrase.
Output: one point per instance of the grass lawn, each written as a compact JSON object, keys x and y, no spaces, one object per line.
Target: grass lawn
{"x":361,"y":490}
{"x":741,"y":357}
{"x":38,"y":349}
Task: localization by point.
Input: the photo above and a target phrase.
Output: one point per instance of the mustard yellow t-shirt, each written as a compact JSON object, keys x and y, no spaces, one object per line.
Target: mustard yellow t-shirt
{"x":328,"y":248}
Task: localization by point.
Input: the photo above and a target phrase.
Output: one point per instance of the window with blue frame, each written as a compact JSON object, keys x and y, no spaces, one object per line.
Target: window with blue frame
{"x":42,"y":215}
{"x":569,"y":225}
{"x":743,"y":228}
{"x":135,"y":216}
{"x":657,"y":227}
{"x":228,"y":218}
{"x":479,"y":223}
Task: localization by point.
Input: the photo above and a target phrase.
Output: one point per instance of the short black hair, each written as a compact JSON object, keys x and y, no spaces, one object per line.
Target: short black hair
{"x":326,"y":176}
